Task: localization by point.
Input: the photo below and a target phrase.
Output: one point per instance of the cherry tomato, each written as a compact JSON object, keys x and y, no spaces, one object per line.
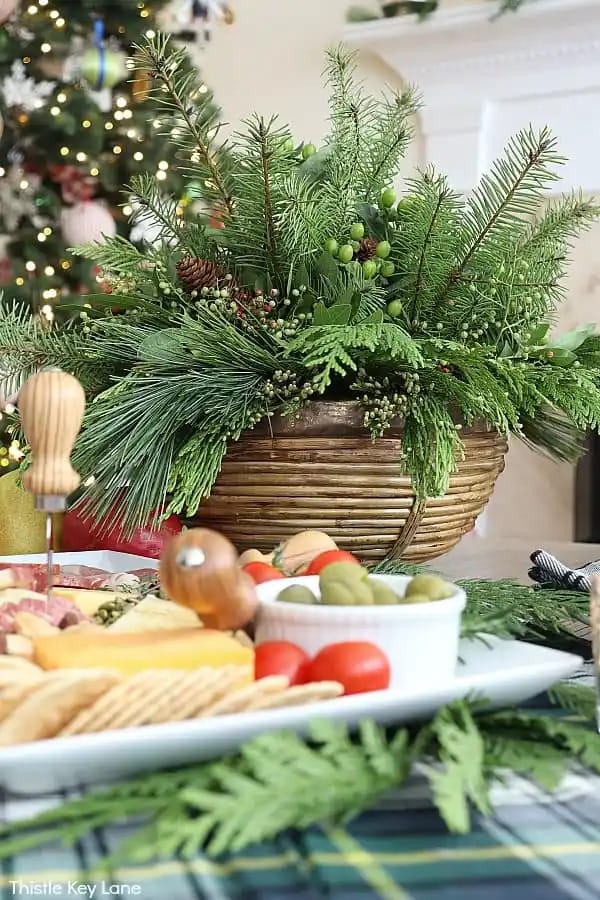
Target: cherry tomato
{"x":359,"y":665}
{"x":328,"y":557}
{"x":281,"y":658}
{"x":260,"y":571}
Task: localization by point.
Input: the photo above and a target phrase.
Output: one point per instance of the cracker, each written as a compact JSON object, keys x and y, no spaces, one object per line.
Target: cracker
{"x":99,"y":713}
{"x":240,"y":699}
{"x":157,"y":695}
{"x":137,"y":708}
{"x":14,"y":695}
{"x":298,"y":695}
{"x":178,"y":705}
{"x":13,"y":677}
{"x":215,"y":687}
{"x":52,"y":705}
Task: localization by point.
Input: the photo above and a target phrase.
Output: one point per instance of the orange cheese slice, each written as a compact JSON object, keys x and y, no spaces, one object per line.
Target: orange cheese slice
{"x":188,"y":648}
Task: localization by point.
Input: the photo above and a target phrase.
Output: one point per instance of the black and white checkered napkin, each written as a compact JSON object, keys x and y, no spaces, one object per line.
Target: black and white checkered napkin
{"x":549,"y":572}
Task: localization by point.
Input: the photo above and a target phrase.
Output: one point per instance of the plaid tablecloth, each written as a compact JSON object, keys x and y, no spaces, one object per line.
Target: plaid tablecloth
{"x":536,"y":847}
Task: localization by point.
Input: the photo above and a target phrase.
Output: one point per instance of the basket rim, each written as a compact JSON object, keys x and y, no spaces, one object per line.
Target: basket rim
{"x":324,"y":418}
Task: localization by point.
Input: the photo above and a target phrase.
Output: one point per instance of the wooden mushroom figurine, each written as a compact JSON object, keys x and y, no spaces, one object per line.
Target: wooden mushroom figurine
{"x":199,"y":569}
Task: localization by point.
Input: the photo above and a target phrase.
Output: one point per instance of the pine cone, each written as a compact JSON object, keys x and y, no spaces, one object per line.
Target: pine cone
{"x":367,"y":249}
{"x":195,"y":273}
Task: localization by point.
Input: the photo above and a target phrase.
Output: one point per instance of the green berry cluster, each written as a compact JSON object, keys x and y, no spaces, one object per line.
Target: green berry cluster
{"x":372,"y":254}
{"x":256,"y":310}
{"x":285,"y":386}
{"x":384,"y":401}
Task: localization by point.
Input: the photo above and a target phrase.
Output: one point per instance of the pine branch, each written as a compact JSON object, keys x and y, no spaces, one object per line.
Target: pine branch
{"x":166,"y":66}
{"x":154,"y":208}
{"x":265,"y":153}
{"x":114,"y":254}
{"x":506,"y":195}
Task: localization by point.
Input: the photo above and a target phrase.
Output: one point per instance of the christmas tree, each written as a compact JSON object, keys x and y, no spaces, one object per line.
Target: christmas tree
{"x":77,"y":126}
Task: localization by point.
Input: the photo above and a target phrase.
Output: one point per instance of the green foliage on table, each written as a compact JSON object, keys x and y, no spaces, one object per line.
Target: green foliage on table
{"x":219,"y":328}
{"x":279,"y":781}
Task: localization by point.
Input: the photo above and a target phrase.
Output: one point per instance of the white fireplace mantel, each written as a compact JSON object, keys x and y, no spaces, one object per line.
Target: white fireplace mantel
{"x":482,"y":81}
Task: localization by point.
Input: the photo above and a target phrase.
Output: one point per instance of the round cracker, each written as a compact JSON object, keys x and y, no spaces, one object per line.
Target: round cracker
{"x":240,"y":699}
{"x":298,"y":695}
{"x":99,"y":714}
{"x":49,"y":708}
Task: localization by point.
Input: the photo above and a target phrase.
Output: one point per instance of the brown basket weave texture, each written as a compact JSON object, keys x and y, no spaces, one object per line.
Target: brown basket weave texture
{"x":324,"y":472}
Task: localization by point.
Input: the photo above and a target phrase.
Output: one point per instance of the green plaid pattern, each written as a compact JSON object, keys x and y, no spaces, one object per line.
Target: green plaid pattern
{"x":537,"y":846}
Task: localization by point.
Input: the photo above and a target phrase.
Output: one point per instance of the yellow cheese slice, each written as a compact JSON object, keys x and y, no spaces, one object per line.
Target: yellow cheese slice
{"x":189,"y":648}
{"x":88,"y":601}
{"x":153,"y":614}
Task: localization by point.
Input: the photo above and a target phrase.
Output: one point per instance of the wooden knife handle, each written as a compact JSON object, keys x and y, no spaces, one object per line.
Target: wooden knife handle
{"x":51,"y":404}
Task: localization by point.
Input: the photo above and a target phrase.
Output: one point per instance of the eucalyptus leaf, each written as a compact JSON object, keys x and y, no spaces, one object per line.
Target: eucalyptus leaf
{"x":560,"y":357}
{"x":327,"y":267}
{"x":320,"y":314}
{"x":572,"y":340}
{"x":162,"y":346}
{"x":539,"y":334}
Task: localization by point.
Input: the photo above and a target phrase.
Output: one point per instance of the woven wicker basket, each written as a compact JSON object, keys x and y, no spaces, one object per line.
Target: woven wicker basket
{"x":324,"y":472}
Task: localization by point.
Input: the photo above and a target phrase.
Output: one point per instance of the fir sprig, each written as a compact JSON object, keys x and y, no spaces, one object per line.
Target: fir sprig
{"x":279,"y":780}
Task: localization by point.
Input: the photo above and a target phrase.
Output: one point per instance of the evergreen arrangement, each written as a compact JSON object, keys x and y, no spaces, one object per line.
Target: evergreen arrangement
{"x":75,"y":131}
{"x":319,"y":281}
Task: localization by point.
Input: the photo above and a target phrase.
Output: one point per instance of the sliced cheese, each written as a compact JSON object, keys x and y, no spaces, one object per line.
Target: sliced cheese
{"x":189,"y":648}
{"x":153,"y":614}
{"x":88,"y":601}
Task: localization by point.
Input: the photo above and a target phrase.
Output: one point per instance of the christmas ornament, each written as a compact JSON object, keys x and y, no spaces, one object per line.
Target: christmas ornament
{"x":147,"y":230}
{"x":103,"y":68}
{"x":6,"y":270}
{"x":86,"y":222}
{"x":18,"y":89}
{"x":7,"y":8}
{"x":195,"y":273}
{"x":100,"y":66}
{"x":22,"y":529}
{"x":74,"y":184}
{"x":202,"y":14}
{"x":18,"y":191}
{"x":142,"y":84}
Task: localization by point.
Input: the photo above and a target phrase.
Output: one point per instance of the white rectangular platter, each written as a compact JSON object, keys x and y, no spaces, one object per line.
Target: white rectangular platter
{"x":108,"y":560}
{"x":502,"y":672}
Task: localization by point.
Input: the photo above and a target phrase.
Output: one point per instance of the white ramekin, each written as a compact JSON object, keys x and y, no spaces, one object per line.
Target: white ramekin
{"x":419,"y":639}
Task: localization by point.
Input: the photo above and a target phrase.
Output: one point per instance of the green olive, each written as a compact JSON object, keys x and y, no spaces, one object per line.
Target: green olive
{"x":297,"y":593}
{"x":342,"y":571}
{"x":337,"y":594}
{"x":431,"y":585}
{"x":417,"y":598}
{"x":346,"y":593}
{"x":383,"y":595}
